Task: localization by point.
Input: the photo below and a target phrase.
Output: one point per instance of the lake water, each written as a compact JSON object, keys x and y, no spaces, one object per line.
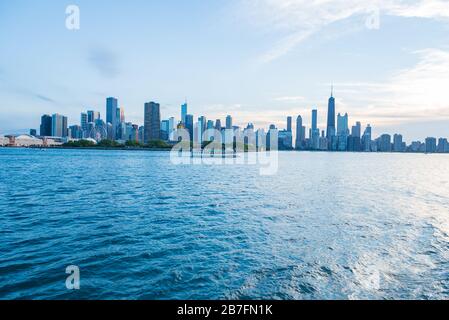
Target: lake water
{"x":326,"y":226}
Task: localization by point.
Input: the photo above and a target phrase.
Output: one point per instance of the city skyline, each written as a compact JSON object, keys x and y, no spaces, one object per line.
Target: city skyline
{"x":339,"y":134}
{"x":233,"y":57}
{"x":320,"y":122}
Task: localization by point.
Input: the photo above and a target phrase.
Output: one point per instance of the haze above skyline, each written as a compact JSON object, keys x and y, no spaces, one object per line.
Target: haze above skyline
{"x":260,"y":61}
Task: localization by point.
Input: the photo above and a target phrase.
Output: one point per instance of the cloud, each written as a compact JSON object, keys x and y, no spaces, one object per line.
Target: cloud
{"x":438,"y":9}
{"x":20,"y":90}
{"x":298,"y":20}
{"x":42,"y":97}
{"x":105,"y":62}
{"x":412,"y":95}
{"x":290,"y":99}
{"x":418,"y":92}
{"x":285,"y":45}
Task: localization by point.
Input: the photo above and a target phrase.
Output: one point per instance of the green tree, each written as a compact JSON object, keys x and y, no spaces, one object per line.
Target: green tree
{"x":109,"y":144}
{"x":133,"y":144}
{"x":157,"y":144}
{"x":79,"y":144}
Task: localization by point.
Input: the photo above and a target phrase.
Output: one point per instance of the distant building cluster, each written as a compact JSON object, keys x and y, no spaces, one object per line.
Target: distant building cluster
{"x":337,"y":136}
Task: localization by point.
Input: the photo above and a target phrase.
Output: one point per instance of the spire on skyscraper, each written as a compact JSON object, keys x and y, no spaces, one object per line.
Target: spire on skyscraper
{"x":331,"y":116}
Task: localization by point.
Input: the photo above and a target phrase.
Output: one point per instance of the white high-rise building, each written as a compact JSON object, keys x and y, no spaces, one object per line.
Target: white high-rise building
{"x":342,"y":131}
{"x":59,"y":126}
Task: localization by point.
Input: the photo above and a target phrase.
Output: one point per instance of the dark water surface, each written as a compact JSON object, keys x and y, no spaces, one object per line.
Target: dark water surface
{"x":326,"y":226}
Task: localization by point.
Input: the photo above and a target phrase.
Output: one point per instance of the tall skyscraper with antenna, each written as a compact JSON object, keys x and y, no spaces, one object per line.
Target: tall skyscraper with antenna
{"x":331,"y":116}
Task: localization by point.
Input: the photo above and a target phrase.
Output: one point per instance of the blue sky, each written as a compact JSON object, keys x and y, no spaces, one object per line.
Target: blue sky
{"x":259,"y":60}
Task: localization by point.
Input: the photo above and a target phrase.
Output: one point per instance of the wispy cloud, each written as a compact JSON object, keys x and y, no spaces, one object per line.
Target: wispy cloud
{"x":42,"y":97}
{"x":418,"y":92}
{"x":298,"y":20}
{"x":105,"y":62}
{"x":437,"y":9}
{"x":293,"y":99}
{"x":22,"y":91}
{"x":285,"y":45}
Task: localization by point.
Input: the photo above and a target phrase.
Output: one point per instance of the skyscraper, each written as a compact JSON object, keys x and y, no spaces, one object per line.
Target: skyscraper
{"x":141,"y":134}
{"x":189,"y":125}
{"x":354,"y":141}
{"x":385,"y":143}
{"x":111,"y":115}
{"x":397,"y":143}
{"x":342,"y":131}
{"x":165,"y":129}
{"x":75,"y":132}
{"x":152,"y":122}
{"x":228,"y":122}
{"x":84,"y":121}
{"x":92,"y":116}
{"x":342,"y":125}
{"x":314,"y":131}
{"x":59,"y":126}
{"x":121,"y":114}
{"x":357,"y":130}
{"x":210,"y":124}
{"x":331,"y":116}
{"x":289,"y":124}
{"x":366,"y":139}
{"x":323,"y":145}
{"x":443,"y":145}
{"x":201,"y":128}
{"x":431,"y":145}
{"x":299,"y":134}
{"x":120,"y":129}
{"x":184,"y":110}
{"x":314,"y":119}
{"x":134,"y":133}
{"x":65,"y":129}
{"x":285,"y":141}
{"x":45,"y":128}
{"x":218,"y":125}
{"x":171,"y":128}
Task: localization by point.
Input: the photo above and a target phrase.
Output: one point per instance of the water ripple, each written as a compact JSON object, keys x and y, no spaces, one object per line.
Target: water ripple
{"x":327,"y":226}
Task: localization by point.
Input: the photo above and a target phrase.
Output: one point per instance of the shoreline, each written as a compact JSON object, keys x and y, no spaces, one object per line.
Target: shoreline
{"x":169,"y":149}
{"x":87,"y":148}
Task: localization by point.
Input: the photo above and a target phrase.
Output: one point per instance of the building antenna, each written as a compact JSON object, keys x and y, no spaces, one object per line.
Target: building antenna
{"x":332,"y":90}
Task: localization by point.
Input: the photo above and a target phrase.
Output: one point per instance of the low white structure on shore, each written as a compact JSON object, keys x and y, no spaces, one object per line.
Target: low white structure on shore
{"x":52,"y":141}
{"x":91,"y":140}
{"x":84,"y":139}
{"x":26,"y":140}
{"x":4,"y":141}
